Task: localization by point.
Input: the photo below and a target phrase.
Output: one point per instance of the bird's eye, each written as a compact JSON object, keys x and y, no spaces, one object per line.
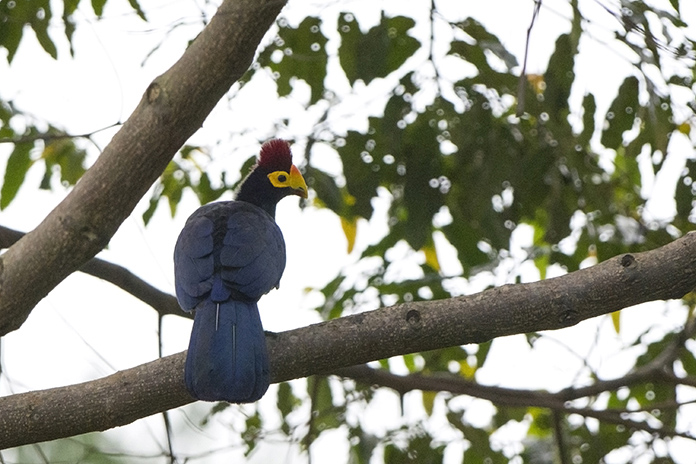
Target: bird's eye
{"x":282,"y":178}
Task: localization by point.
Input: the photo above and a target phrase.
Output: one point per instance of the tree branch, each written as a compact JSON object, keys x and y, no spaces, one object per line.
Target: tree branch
{"x":173,"y":107}
{"x":665,"y":273}
{"x":160,"y":301}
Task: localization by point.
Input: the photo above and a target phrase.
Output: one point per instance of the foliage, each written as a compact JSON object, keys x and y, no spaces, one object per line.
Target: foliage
{"x":15,"y":15}
{"x":34,"y":141}
{"x":60,"y":154}
{"x":459,"y":167}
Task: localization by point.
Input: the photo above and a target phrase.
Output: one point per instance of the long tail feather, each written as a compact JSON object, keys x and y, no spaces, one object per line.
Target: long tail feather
{"x":227,"y":358}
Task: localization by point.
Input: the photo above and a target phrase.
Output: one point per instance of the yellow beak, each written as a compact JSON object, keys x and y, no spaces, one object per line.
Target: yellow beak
{"x":297,"y":182}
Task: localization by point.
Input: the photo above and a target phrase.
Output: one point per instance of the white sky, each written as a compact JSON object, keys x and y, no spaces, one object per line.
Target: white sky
{"x":86,"y":329}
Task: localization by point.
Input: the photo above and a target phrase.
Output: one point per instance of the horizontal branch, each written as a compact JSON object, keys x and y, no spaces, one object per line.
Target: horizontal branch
{"x":657,"y":370}
{"x":454,"y":384}
{"x":665,"y":273}
{"x":160,"y":301}
{"x":511,"y":397}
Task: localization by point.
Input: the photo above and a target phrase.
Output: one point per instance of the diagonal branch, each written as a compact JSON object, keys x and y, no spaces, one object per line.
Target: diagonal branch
{"x":160,"y":301}
{"x":665,"y":273}
{"x":173,"y":107}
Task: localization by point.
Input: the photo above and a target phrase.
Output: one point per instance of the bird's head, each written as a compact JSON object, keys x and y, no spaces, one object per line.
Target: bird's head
{"x":273,"y":177}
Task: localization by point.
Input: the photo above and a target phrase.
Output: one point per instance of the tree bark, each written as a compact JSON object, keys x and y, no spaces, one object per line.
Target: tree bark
{"x":665,"y":273}
{"x":171,"y":110}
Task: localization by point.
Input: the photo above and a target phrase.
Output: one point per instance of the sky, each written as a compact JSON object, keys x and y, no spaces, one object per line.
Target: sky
{"x":86,"y":329}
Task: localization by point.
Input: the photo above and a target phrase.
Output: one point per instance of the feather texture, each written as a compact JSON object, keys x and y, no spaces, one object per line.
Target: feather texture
{"x":227,"y":256}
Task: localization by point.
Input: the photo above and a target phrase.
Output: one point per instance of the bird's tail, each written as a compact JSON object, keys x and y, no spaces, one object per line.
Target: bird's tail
{"x":227,"y":358}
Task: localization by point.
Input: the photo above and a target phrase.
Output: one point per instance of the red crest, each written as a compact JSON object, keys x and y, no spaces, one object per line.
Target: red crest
{"x":275,"y":156}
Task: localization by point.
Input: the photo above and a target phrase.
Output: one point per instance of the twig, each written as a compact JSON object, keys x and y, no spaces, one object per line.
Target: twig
{"x":522,"y":82}
{"x":558,"y":419}
{"x":53,"y":136}
{"x":165,"y":414}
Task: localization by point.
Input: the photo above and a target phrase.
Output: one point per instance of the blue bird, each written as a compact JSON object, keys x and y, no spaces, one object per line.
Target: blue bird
{"x":228,"y":255}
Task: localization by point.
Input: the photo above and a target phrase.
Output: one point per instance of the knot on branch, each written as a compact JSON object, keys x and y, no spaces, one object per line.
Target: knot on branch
{"x":568,"y":314}
{"x":627,"y":260}
{"x":413,"y":317}
{"x":153,"y":92}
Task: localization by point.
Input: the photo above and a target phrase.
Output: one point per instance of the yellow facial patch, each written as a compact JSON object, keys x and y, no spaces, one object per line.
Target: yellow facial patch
{"x":292,"y":180}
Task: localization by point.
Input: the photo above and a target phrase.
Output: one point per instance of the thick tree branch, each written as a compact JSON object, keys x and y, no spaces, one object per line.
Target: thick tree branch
{"x":665,"y":273}
{"x":173,"y":107}
{"x":160,"y":301}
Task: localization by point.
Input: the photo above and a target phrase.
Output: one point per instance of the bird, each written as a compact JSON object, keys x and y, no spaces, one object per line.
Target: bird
{"x":227,"y":256}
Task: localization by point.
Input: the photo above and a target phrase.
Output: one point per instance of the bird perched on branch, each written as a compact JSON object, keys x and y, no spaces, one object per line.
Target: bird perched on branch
{"x":228,"y":255}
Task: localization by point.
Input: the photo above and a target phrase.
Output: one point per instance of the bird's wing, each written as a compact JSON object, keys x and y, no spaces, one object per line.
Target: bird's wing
{"x":253,"y":255}
{"x":227,"y":249}
{"x":193,"y":259}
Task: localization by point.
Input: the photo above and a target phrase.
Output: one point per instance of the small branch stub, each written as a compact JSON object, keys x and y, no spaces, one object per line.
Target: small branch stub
{"x":413,"y":317}
{"x":153,"y":92}
{"x":627,"y":260}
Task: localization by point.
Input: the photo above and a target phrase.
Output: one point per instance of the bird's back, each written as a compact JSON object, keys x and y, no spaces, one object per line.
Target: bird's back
{"x":229,"y":249}
{"x":226,"y":257}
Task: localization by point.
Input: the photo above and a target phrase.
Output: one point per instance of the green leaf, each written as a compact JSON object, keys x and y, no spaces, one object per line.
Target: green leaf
{"x":659,"y":124}
{"x":429,"y":401}
{"x":621,"y":114}
{"x":542,"y":422}
{"x":18,"y":164}
{"x":287,"y":403}
{"x":205,"y":191}
{"x":69,"y":7}
{"x":363,"y":446}
{"x":488,"y":41}
{"x":136,"y":6}
{"x":171,"y":185}
{"x":15,"y":15}
{"x":394,"y":454}
{"x":419,"y":449}
{"x":616,"y":321}
{"x":588,"y":122}
{"x":688,"y":360}
{"x":327,"y":191}
{"x":297,"y":53}
{"x":479,"y":439}
{"x":98,"y":7}
{"x":482,"y":353}
{"x":350,"y":230}
{"x":252,"y":432}
{"x":484,"y":42}
{"x":64,"y":154}
{"x":684,"y":194}
{"x":410,"y":362}
{"x":505,"y":414}
{"x":379,"y":52}
{"x":150,"y":211}
{"x":559,"y":78}
{"x":325,"y":415}
{"x":39,"y":23}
